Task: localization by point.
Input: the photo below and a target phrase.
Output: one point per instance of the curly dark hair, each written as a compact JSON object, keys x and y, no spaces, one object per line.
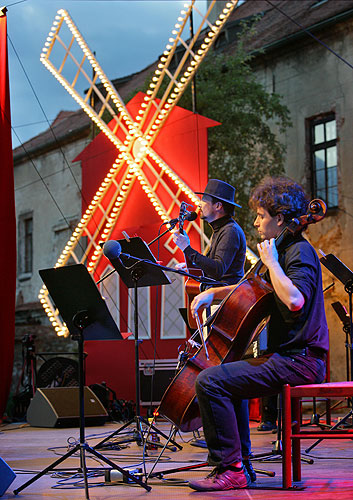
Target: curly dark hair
{"x":280,"y":195}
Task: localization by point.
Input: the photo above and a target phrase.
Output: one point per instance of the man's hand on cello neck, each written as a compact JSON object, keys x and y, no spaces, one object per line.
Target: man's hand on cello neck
{"x":286,"y":291}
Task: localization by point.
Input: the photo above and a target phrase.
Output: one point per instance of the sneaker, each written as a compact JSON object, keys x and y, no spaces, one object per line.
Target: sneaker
{"x":222,"y":479}
{"x":266,"y":426}
{"x":249,"y":468}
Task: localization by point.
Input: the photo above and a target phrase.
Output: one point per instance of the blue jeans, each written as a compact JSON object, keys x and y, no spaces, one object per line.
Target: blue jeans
{"x":221,"y":391}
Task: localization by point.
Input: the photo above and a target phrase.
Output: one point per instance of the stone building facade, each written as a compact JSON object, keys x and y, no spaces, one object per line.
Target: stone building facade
{"x":48,"y":207}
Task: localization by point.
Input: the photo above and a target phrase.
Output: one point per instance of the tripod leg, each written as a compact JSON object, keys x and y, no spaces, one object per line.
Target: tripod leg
{"x":115,"y":433}
{"x":159,"y":456}
{"x":84,"y":468}
{"x":332,"y":429}
{"x":47,"y":469}
{"x":170,"y":440}
{"x":120,"y":469}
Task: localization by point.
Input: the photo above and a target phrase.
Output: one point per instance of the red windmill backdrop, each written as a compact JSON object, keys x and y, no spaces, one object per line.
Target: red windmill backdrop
{"x":182,"y":143}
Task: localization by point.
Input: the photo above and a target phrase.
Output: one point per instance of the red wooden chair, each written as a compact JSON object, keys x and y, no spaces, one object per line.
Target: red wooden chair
{"x":292,"y":434}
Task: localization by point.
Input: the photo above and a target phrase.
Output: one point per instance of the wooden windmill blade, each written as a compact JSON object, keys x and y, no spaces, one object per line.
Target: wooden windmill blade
{"x":67,"y":56}
{"x":196,"y":49}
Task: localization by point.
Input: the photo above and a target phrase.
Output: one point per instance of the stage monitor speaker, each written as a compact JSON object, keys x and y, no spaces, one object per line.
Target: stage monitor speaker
{"x":7,"y":475}
{"x":59,"y":407}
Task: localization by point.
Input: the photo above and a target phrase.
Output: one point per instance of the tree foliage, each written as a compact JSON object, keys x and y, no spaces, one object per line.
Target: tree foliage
{"x":245,"y":147}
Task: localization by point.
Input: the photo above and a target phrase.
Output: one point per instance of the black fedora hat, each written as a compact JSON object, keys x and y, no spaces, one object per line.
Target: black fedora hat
{"x":220,"y":190}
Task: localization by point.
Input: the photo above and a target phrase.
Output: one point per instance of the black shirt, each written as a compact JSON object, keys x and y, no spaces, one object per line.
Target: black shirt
{"x":307,"y":327}
{"x":226,"y":255}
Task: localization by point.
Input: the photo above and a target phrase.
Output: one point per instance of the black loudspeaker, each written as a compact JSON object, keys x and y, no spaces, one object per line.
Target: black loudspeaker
{"x":59,"y":407}
{"x":7,"y":475}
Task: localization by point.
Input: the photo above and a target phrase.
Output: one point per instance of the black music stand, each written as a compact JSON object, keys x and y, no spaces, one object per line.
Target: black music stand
{"x":345,"y":276}
{"x":87,"y":317}
{"x":136,"y":273}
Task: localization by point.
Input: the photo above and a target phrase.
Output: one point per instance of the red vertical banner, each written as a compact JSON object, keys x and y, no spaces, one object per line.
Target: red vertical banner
{"x":7,"y":225}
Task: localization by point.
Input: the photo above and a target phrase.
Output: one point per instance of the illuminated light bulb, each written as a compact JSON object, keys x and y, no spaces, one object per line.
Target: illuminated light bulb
{"x":180,"y":19}
{"x":174,"y":32}
{"x":218,"y":22}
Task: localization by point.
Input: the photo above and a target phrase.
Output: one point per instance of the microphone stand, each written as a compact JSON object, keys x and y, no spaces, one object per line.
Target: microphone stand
{"x":139,"y":274}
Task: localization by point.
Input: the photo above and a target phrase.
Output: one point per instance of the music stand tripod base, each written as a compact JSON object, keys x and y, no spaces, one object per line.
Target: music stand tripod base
{"x":80,"y":304}
{"x":137,"y":267}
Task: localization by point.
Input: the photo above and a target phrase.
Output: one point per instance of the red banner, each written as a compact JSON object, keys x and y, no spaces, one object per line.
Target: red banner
{"x":8,"y":226}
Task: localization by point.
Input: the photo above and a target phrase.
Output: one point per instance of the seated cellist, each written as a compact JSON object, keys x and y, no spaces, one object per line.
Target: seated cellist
{"x":297,"y":334}
{"x":224,"y":261}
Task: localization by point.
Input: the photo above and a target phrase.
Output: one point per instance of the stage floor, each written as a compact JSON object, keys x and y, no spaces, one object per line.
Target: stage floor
{"x":28,"y":450}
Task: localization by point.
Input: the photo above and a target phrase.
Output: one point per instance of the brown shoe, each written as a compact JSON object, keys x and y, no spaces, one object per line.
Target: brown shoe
{"x":222,"y":479}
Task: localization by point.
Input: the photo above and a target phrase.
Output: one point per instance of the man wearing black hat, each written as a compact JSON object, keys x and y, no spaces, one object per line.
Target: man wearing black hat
{"x":224,"y":261}
{"x":226,"y":256}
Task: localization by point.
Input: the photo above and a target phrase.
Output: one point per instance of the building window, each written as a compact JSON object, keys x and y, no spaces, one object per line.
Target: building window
{"x":25,"y":244}
{"x":323,"y":147}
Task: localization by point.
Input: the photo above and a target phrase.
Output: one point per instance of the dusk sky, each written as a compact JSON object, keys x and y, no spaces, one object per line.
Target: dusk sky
{"x":126,"y":36}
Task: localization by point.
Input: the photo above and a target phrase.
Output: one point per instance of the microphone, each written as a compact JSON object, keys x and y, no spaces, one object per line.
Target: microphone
{"x":190,"y":217}
{"x":112,"y":249}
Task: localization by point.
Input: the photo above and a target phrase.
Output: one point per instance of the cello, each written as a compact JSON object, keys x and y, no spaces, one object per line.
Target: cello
{"x":232,"y":328}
